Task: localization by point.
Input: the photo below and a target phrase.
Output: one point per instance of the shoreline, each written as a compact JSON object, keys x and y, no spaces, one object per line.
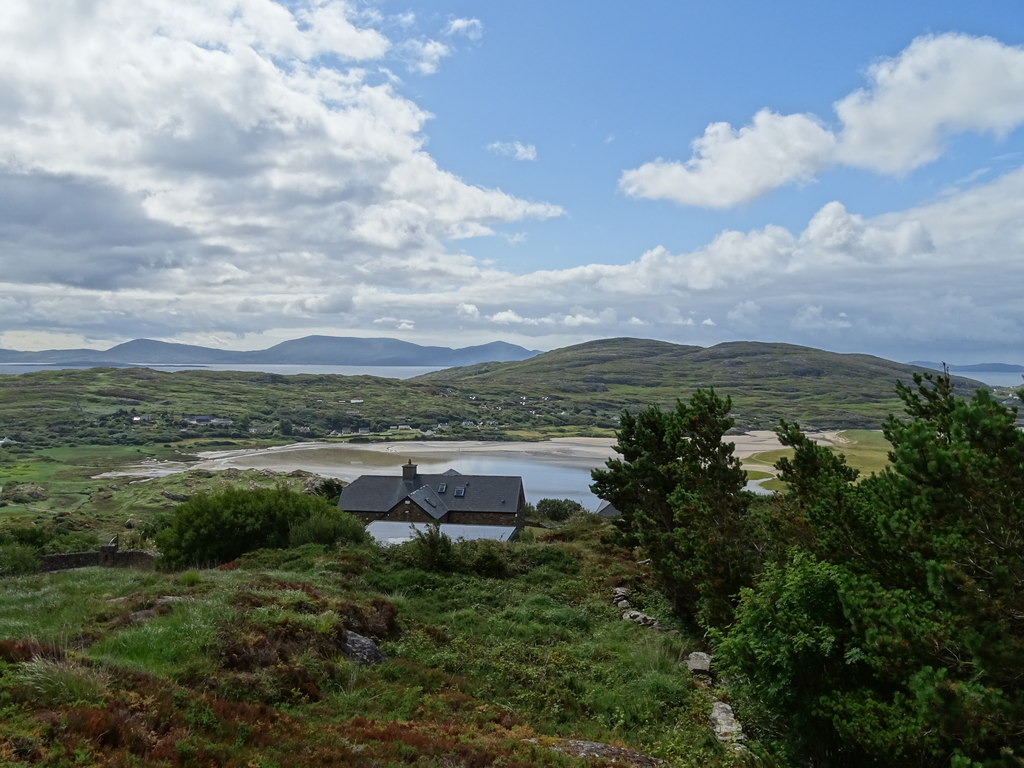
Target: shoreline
{"x":347,"y":461}
{"x":569,"y":450}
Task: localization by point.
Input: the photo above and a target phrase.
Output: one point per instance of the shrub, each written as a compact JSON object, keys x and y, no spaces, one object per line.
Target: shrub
{"x":17,"y":560}
{"x":489,"y":558}
{"x":431,"y":550}
{"x":559,"y":509}
{"x":329,"y":527}
{"x":217,"y":527}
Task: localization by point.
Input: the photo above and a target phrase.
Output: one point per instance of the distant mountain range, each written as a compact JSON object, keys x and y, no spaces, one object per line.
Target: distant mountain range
{"x":976,"y":368}
{"x":309,"y":350}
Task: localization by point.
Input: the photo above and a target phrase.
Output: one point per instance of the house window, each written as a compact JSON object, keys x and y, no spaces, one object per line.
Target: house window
{"x":460,"y":491}
{"x":442,"y":487}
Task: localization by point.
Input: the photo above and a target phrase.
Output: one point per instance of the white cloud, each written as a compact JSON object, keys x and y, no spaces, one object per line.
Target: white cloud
{"x":730,"y":166}
{"x":813,"y":318}
{"x":514,"y":149}
{"x":471,"y":28}
{"x":509,"y":316}
{"x":405,"y":19}
{"x":843,"y":280}
{"x":745,"y":314}
{"x":939,"y":86}
{"x":196,"y":170}
{"x":169,"y":147}
{"x":424,"y":56}
{"x":580,"y":319}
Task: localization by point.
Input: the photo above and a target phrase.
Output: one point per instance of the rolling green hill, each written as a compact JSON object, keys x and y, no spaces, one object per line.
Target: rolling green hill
{"x":766,"y":381}
{"x":581,"y":389}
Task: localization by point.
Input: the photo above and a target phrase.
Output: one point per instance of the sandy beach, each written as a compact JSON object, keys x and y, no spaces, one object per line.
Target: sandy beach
{"x":333,"y":458}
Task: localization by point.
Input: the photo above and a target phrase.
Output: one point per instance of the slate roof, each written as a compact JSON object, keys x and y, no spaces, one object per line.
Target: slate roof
{"x":480,"y":493}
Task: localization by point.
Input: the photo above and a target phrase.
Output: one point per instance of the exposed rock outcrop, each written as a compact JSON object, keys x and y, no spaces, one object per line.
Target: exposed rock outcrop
{"x":362,"y":649}
{"x":595,"y":750}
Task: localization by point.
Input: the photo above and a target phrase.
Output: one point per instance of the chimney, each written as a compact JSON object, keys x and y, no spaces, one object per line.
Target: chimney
{"x":409,"y":471}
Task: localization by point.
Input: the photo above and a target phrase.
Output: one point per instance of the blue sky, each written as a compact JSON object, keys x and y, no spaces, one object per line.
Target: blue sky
{"x":235,"y":173}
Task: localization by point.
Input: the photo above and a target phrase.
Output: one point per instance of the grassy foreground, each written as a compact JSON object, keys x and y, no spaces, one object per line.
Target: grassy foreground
{"x":241,"y":666}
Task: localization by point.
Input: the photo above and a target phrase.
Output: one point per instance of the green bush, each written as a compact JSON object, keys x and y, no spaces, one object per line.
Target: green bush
{"x":432,"y":550}
{"x":329,"y":528}
{"x":17,"y":560}
{"x":488,"y":558}
{"x":217,"y":527}
{"x":559,"y":509}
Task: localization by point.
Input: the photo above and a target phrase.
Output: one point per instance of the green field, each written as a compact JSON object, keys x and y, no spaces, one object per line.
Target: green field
{"x":865,"y":450}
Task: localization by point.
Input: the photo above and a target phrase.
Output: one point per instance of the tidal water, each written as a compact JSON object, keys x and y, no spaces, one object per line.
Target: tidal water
{"x":544,"y":475}
{"x":384,"y":371}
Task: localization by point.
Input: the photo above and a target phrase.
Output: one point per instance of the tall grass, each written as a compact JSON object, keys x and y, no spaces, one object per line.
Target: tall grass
{"x":178,"y":644}
{"x":49,"y":682}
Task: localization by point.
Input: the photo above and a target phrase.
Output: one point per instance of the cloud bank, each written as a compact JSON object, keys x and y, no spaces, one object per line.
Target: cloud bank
{"x":237,"y":173}
{"x":936,"y":88}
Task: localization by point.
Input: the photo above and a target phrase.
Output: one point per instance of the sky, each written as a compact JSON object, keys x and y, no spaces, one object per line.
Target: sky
{"x":236,"y":173}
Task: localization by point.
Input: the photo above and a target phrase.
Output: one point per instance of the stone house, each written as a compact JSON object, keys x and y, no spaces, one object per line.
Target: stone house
{"x":447,"y":498}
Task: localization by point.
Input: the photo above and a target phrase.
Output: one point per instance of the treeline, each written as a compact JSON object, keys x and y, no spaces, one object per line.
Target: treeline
{"x":873,"y":621}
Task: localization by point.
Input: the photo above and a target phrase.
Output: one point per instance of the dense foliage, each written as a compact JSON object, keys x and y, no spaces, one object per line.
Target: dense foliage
{"x":559,"y":510}
{"x":218,"y":527}
{"x":680,"y":490}
{"x":884,"y":622}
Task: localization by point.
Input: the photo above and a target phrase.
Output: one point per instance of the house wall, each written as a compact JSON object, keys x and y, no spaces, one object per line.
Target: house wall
{"x":484,"y":518}
{"x":411,"y":513}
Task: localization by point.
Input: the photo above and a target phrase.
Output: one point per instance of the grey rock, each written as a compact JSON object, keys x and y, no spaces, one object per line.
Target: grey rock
{"x":595,"y":750}
{"x":727,"y":729}
{"x":362,"y":649}
{"x":699,"y":663}
{"x":642,"y":619}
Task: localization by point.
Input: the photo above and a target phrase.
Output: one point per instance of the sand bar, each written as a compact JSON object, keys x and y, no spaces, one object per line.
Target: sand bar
{"x":329,"y":458}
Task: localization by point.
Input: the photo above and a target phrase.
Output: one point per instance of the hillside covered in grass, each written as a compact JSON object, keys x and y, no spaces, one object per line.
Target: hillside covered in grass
{"x":496,"y":654}
{"x":581,"y":389}
{"x":766,"y":382}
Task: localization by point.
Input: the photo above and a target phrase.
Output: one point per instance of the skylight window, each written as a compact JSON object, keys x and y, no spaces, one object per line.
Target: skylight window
{"x":460,"y":491}
{"x":442,"y":487}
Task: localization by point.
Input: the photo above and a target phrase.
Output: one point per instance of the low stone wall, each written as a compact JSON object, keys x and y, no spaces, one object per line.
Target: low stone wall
{"x":109,"y":557}
{"x":70,"y":560}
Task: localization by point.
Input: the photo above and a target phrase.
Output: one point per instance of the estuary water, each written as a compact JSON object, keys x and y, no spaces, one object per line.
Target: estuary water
{"x":384,"y":371}
{"x":554,"y":469}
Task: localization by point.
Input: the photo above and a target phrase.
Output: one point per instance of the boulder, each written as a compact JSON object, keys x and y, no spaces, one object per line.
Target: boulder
{"x":362,"y":649}
{"x":620,"y":598}
{"x":727,"y":729}
{"x":642,"y":619}
{"x":594,"y":750}
{"x":699,"y":663}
